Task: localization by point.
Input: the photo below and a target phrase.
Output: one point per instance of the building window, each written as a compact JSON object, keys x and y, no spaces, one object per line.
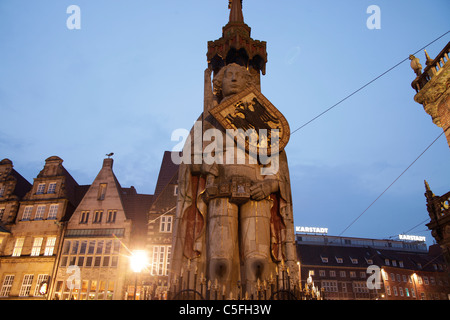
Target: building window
{"x":419,"y":279}
{"x":322,"y":273}
{"x":395,"y":291}
{"x":394,"y":263}
{"x":324,"y":259}
{"x":339,"y":260}
{"x":401,"y":291}
{"x":84,"y":217}
{"x":413,"y":293}
{"x":2,"y":212}
{"x":362,"y":274}
{"x":161,"y":260}
{"x":26,"y":285}
{"x":6,"y":287}
{"x":166,"y":224}
{"x":98,"y":217}
{"x":369,"y":261}
{"x":332,"y":273}
{"x":392,"y":277}
{"x":342,"y":274}
{"x":330,"y":286}
{"x":40,"y":212}
{"x":400,"y":263}
{"x":352,"y":274}
{"x":388,"y":290}
{"x":51,"y":187}
{"x":36,"y":249}
{"x":27,"y":213}
{"x":354,"y":261}
{"x":40,"y":188}
{"x":111,"y":216}
{"x":425,"y":280}
{"x":360,"y":287}
{"x":102,"y":191}
{"x":41,"y":278}
{"x":50,"y":246}
{"x":52,"y":213}
{"x":175,"y":190}
{"x":398,"y":278}
{"x":2,"y":190}
{"x":386,"y":262}
{"x":18,"y":247}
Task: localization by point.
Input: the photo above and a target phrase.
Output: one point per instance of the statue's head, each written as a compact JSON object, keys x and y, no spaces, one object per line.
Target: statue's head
{"x":230,"y":80}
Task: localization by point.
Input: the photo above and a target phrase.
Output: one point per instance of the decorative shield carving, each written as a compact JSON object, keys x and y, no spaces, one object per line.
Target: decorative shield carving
{"x":251,"y":110}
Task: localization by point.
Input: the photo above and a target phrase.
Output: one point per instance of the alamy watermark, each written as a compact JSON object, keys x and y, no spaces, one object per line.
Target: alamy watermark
{"x":374,"y":281}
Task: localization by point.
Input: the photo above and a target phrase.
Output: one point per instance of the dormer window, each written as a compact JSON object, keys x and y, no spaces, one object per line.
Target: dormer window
{"x":324,"y":259}
{"x":354,"y":261}
{"x":339,"y":260}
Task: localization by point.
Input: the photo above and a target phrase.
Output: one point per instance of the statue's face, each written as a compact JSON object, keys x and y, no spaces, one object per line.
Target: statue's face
{"x":234,"y":80}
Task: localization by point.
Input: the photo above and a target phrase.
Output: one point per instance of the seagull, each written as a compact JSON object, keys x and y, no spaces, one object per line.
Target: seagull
{"x":110,"y":154}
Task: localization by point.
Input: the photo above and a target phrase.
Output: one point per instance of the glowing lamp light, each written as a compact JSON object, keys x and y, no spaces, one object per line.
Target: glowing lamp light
{"x":138,"y":260}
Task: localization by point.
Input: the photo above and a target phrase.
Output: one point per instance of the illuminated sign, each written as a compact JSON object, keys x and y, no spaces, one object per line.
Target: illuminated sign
{"x":311,"y":230}
{"x":411,"y":238}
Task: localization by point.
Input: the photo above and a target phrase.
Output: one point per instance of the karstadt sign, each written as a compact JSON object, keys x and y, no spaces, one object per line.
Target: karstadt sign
{"x":311,"y":230}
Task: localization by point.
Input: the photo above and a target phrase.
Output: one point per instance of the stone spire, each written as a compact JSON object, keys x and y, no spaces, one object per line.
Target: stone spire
{"x":236,"y":11}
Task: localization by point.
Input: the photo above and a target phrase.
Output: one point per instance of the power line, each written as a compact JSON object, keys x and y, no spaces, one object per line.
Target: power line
{"x":368,"y":83}
{"x":391,"y":184}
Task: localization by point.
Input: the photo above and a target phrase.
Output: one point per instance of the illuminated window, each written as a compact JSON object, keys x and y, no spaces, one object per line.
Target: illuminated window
{"x":324,"y":259}
{"x":18,"y":247}
{"x":50,"y":246}
{"x":36,"y":249}
{"x":26,"y":285}
{"x":7,"y":284}
{"x":161,"y":260}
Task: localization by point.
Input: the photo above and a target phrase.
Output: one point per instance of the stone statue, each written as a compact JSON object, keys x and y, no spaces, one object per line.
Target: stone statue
{"x":233,"y":224}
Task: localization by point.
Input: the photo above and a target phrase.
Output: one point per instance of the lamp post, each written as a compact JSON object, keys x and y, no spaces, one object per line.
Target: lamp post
{"x":138,"y":261}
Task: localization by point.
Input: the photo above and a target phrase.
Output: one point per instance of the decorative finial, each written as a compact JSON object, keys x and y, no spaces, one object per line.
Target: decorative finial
{"x":429,"y":60}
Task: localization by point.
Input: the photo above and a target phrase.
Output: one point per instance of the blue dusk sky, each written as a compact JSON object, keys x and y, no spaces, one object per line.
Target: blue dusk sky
{"x":133,"y":73}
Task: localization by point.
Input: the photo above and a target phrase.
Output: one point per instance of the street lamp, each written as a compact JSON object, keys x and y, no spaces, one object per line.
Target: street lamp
{"x":138,"y":261}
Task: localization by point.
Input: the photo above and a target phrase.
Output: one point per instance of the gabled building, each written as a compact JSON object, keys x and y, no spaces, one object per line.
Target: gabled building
{"x":12,"y":189}
{"x":30,"y":252}
{"x":107,"y":225}
{"x":160,"y":224}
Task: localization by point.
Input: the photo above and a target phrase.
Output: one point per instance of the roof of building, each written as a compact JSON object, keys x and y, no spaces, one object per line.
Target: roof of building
{"x":168,"y":173}
{"x":362,"y":257}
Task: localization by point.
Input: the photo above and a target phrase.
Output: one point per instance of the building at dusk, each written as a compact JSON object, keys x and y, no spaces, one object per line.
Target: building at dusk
{"x":346,"y":268}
